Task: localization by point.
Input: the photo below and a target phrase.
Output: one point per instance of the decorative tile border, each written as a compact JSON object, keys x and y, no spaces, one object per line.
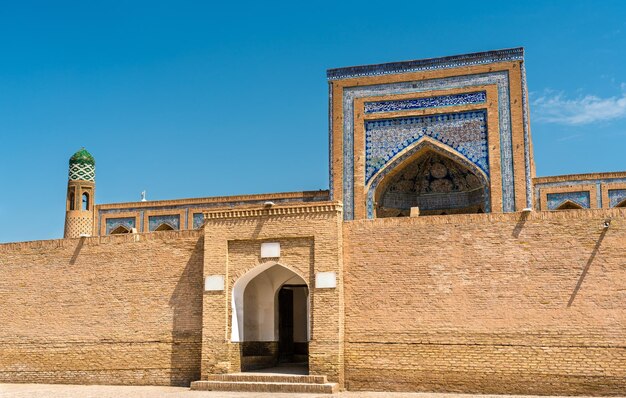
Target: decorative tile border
{"x":432,"y":145}
{"x":126,"y":222}
{"x":554,"y":200}
{"x":526,"y":124}
{"x":454,"y":61}
{"x":429,"y":102}
{"x":500,"y":79}
{"x":465,"y":132}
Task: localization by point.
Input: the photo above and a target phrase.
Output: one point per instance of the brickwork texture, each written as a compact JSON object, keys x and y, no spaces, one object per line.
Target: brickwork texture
{"x":109,"y":310}
{"x":485,"y":303}
{"x":501,"y":303}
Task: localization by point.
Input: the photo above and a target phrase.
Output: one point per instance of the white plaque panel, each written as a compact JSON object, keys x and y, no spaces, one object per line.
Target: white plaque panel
{"x":325,"y":280}
{"x":270,"y":250}
{"x":214,"y":283}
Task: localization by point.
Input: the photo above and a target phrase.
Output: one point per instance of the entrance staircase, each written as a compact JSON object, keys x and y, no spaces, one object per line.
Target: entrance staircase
{"x":274,"y":380}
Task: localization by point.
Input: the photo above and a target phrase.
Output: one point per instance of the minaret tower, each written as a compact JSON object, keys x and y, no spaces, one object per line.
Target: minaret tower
{"x":81,"y":188}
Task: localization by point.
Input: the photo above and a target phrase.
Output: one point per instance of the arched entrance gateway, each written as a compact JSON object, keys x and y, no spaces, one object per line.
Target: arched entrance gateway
{"x":270,"y":317}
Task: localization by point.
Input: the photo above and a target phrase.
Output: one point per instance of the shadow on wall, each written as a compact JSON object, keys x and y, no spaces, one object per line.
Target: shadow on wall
{"x":587,"y":266}
{"x":520,"y":224}
{"x":186,"y":303}
{"x":79,"y":247}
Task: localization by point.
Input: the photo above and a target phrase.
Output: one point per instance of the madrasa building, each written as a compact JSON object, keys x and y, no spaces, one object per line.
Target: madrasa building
{"x":435,"y":261}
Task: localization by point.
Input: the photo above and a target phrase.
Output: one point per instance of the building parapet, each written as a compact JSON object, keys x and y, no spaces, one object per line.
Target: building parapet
{"x":275,"y":210}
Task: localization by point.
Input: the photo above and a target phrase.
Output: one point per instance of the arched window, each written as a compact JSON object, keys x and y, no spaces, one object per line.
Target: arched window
{"x":72,"y":200}
{"x":85,"y":201}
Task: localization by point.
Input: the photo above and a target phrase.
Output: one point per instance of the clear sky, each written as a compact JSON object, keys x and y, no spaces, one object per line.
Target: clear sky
{"x":190,"y":99}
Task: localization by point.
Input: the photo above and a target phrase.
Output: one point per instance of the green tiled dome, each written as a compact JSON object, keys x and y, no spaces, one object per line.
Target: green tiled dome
{"x":82,"y":157}
{"x":82,"y":166}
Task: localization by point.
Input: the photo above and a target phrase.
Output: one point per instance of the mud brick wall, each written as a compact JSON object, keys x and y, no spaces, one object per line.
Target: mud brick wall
{"x":109,"y":310}
{"x":502,"y":303}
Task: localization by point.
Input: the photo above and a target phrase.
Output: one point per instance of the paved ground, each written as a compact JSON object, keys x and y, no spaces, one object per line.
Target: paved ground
{"x":67,"y":391}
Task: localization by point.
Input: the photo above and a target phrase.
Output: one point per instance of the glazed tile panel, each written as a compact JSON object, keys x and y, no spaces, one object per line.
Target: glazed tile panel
{"x":616,"y":196}
{"x":500,"y":79}
{"x":126,"y":222}
{"x":465,"y":132}
{"x":173,"y":220}
{"x":198,"y":220}
{"x":422,"y":103}
{"x":557,"y":199}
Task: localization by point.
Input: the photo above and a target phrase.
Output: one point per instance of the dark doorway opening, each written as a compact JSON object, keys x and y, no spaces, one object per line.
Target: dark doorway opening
{"x":293,"y":346}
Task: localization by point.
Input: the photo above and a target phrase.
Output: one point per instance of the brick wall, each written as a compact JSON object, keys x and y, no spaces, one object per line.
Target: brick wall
{"x":498,"y":303}
{"x":111,"y":310}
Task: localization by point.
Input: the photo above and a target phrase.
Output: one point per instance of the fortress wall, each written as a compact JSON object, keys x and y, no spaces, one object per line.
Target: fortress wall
{"x":499,"y":303}
{"x":123,"y":309}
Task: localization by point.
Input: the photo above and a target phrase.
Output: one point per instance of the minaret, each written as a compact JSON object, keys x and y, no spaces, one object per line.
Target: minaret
{"x":81,"y":187}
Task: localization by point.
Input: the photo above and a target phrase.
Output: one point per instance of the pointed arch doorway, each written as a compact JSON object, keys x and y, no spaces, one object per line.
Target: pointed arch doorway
{"x":270,"y":317}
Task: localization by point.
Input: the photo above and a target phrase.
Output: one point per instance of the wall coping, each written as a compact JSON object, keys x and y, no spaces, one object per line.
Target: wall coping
{"x":489,"y":218}
{"x":453,"y":61}
{"x":579,"y":177}
{"x":216,"y":199}
{"x":254,"y":211}
{"x":99,"y":240}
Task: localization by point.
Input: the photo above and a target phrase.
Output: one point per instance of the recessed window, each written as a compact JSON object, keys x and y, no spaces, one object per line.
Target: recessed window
{"x":72,"y":200}
{"x":85,"y":201}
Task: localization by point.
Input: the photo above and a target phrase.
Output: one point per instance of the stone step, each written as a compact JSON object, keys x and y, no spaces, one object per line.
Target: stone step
{"x":274,"y":387}
{"x":268,"y":378}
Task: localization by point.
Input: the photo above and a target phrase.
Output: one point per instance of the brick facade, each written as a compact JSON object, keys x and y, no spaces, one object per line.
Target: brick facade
{"x":110,"y":310}
{"x":507,"y":303}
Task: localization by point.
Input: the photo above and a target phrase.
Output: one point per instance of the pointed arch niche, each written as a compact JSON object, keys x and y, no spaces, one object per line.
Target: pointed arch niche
{"x":270,"y":316}
{"x":433,"y":178}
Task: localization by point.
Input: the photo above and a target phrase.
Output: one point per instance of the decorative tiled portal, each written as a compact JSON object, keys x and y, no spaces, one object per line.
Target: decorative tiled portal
{"x":581,"y":198}
{"x":500,"y":79}
{"x":173,"y":220}
{"x":616,"y":196}
{"x":113,"y":223}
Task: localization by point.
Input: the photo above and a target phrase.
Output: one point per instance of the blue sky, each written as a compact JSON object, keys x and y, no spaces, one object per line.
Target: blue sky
{"x":191,"y":99}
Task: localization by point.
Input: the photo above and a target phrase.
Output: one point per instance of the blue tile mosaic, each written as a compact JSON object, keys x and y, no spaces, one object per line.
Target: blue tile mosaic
{"x":596,"y":182}
{"x":198,"y":220}
{"x":555,"y":200}
{"x":173,"y":220}
{"x":465,"y":132}
{"x":421,"y":145}
{"x":616,"y":196}
{"x":500,"y":79}
{"x":113,"y":223}
{"x":430,"y":102}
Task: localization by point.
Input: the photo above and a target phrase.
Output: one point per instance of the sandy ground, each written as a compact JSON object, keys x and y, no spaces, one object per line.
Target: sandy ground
{"x":66,"y":391}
